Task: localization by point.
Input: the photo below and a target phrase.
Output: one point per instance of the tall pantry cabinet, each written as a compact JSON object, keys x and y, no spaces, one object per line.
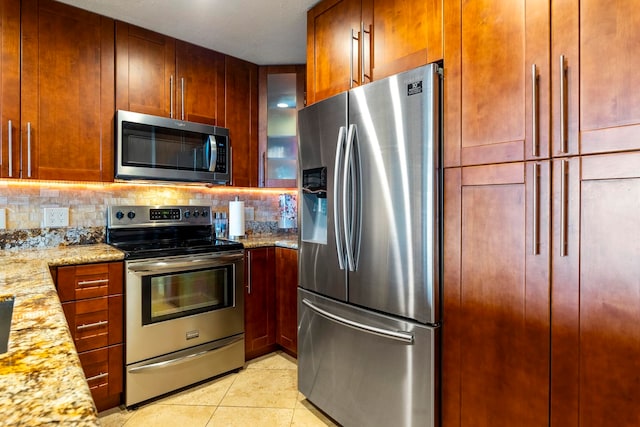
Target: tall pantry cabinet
{"x":540,"y":287}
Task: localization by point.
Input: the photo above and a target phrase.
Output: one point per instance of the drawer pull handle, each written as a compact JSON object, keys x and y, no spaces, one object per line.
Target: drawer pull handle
{"x":92,"y":325}
{"x":86,"y":283}
{"x":99,"y":376}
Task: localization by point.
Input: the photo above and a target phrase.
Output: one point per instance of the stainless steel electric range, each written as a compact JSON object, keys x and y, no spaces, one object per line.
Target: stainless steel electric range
{"x":183,"y":297}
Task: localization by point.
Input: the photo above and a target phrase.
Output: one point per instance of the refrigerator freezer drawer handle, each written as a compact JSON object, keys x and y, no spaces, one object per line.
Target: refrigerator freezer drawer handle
{"x":404,"y":337}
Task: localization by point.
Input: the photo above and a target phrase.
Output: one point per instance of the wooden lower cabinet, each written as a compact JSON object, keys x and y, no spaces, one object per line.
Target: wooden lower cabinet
{"x":92,"y":301}
{"x":496,"y":323}
{"x":287,"y":299}
{"x":259,"y":302}
{"x":595,"y":353}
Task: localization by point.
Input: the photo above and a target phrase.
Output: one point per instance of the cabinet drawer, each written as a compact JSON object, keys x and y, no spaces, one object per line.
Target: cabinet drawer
{"x":95,"y":322}
{"x":103,"y":369}
{"x":89,"y":281}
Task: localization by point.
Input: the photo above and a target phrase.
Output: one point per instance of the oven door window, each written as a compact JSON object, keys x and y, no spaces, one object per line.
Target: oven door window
{"x":173,"y":295}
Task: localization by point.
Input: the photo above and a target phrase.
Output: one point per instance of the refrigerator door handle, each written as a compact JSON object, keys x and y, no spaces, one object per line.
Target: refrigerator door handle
{"x":405,"y":337}
{"x":338,"y":199}
{"x":347,"y":209}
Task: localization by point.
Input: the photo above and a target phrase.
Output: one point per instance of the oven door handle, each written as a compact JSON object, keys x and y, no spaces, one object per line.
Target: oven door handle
{"x":160,"y":266}
{"x":183,"y":359}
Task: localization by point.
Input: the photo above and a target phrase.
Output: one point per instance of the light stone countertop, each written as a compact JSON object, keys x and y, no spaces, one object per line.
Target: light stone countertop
{"x":283,"y":240}
{"x":41,"y":379}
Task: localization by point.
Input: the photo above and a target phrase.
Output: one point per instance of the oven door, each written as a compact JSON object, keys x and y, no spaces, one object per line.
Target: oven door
{"x":179,"y":302}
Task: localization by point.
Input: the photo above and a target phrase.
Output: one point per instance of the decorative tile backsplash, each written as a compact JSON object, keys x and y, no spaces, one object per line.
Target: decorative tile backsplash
{"x":24,"y":202}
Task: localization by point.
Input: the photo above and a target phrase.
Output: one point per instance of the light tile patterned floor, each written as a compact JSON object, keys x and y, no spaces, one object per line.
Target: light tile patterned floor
{"x":263,"y":394}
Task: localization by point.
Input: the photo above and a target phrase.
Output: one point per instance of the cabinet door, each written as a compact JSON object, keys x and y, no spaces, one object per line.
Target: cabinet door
{"x":332,"y":48}
{"x":260,"y":302}
{"x":145,"y":71}
{"x":9,"y":88}
{"x":199,"y":84}
{"x":600,"y":76}
{"x":286,"y":299}
{"x":67,"y":94}
{"x":596,"y":292}
{"x":496,"y":322}
{"x":241,"y":117}
{"x":281,"y":96}
{"x":402,"y":34}
{"x":496,"y":110}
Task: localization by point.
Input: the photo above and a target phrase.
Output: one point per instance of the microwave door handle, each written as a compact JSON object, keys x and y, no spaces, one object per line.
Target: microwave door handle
{"x":213,"y":153}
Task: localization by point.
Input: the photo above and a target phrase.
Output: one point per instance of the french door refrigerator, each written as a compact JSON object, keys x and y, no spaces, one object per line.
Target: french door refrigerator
{"x":369,"y":252}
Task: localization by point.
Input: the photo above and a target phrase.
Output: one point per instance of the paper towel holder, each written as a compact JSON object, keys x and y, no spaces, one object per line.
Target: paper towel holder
{"x":236,"y":219}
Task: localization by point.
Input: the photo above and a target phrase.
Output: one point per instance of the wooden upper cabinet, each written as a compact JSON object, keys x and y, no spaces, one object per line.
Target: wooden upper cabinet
{"x":496,"y":324}
{"x":200,"y":81}
{"x":601,"y":110}
{"x":353,"y":42}
{"x":496,"y":81}
{"x":331,"y":48}
{"x":404,"y":34}
{"x":145,"y":71}
{"x":241,"y":118}
{"x":9,"y":88}
{"x":67,"y":94}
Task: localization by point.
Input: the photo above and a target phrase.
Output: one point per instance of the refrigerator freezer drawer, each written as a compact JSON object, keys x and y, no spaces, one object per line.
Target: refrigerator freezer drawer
{"x":364,"y":368}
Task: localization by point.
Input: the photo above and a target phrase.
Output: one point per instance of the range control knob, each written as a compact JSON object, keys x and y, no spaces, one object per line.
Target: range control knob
{"x":187,"y":214}
{"x":119,"y":215}
{"x":205,"y":213}
{"x":131,"y":215}
{"x":196,"y":214}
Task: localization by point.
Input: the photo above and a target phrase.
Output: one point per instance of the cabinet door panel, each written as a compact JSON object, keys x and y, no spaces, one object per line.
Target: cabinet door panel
{"x":286,"y":298}
{"x":199,"y":84}
{"x":66,"y":93}
{"x":499,"y":43}
{"x":496,"y":316}
{"x":9,"y":87}
{"x":145,"y":73}
{"x":260,"y":302}
{"x":332,"y":54}
{"x":596,"y":292}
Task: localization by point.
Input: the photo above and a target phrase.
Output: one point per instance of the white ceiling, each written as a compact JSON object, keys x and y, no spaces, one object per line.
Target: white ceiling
{"x":264,"y":32}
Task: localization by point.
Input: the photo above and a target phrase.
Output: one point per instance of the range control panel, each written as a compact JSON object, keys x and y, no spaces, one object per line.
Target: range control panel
{"x":145,"y":216}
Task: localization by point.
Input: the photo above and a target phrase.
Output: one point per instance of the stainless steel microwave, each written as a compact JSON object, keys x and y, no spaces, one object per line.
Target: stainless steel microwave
{"x":163,"y":149}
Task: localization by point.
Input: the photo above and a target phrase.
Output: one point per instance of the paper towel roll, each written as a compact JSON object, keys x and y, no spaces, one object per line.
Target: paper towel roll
{"x":236,"y":218}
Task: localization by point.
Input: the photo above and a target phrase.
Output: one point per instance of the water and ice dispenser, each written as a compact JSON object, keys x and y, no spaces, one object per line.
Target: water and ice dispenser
{"x":314,"y":205}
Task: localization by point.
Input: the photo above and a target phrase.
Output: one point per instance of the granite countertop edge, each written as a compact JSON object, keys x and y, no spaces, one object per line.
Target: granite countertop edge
{"x":252,"y":241}
{"x":42,"y":379}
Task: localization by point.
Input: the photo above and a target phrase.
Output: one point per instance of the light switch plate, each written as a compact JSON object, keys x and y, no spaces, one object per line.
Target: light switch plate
{"x":56,"y":217}
{"x":3,"y":219}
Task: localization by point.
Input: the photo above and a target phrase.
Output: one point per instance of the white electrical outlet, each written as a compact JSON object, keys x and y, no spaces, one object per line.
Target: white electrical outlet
{"x":56,"y":217}
{"x":3,"y":219}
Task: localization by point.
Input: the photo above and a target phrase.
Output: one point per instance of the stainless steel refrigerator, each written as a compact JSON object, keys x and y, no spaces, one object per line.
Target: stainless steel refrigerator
{"x":369,"y":252}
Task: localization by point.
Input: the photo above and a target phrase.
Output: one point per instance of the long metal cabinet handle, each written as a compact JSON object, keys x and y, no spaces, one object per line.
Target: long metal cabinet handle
{"x":85,"y":283}
{"x":28,"y":149}
{"x":363,"y":32}
{"x":10,"y":145}
{"x":351,"y":81}
{"x":534,"y":113}
{"x":337,"y":197}
{"x":405,"y":337}
{"x":99,"y":376}
{"x":171,"y":96}
{"x":182,"y":95}
{"x":264,"y":168}
{"x":564,"y":170}
{"x":92,"y":325}
{"x":347,"y":209}
{"x":536,"y":209}
{"x":563,"y":105}
{"x":183,"y":359}
{"x":249,"y":273}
